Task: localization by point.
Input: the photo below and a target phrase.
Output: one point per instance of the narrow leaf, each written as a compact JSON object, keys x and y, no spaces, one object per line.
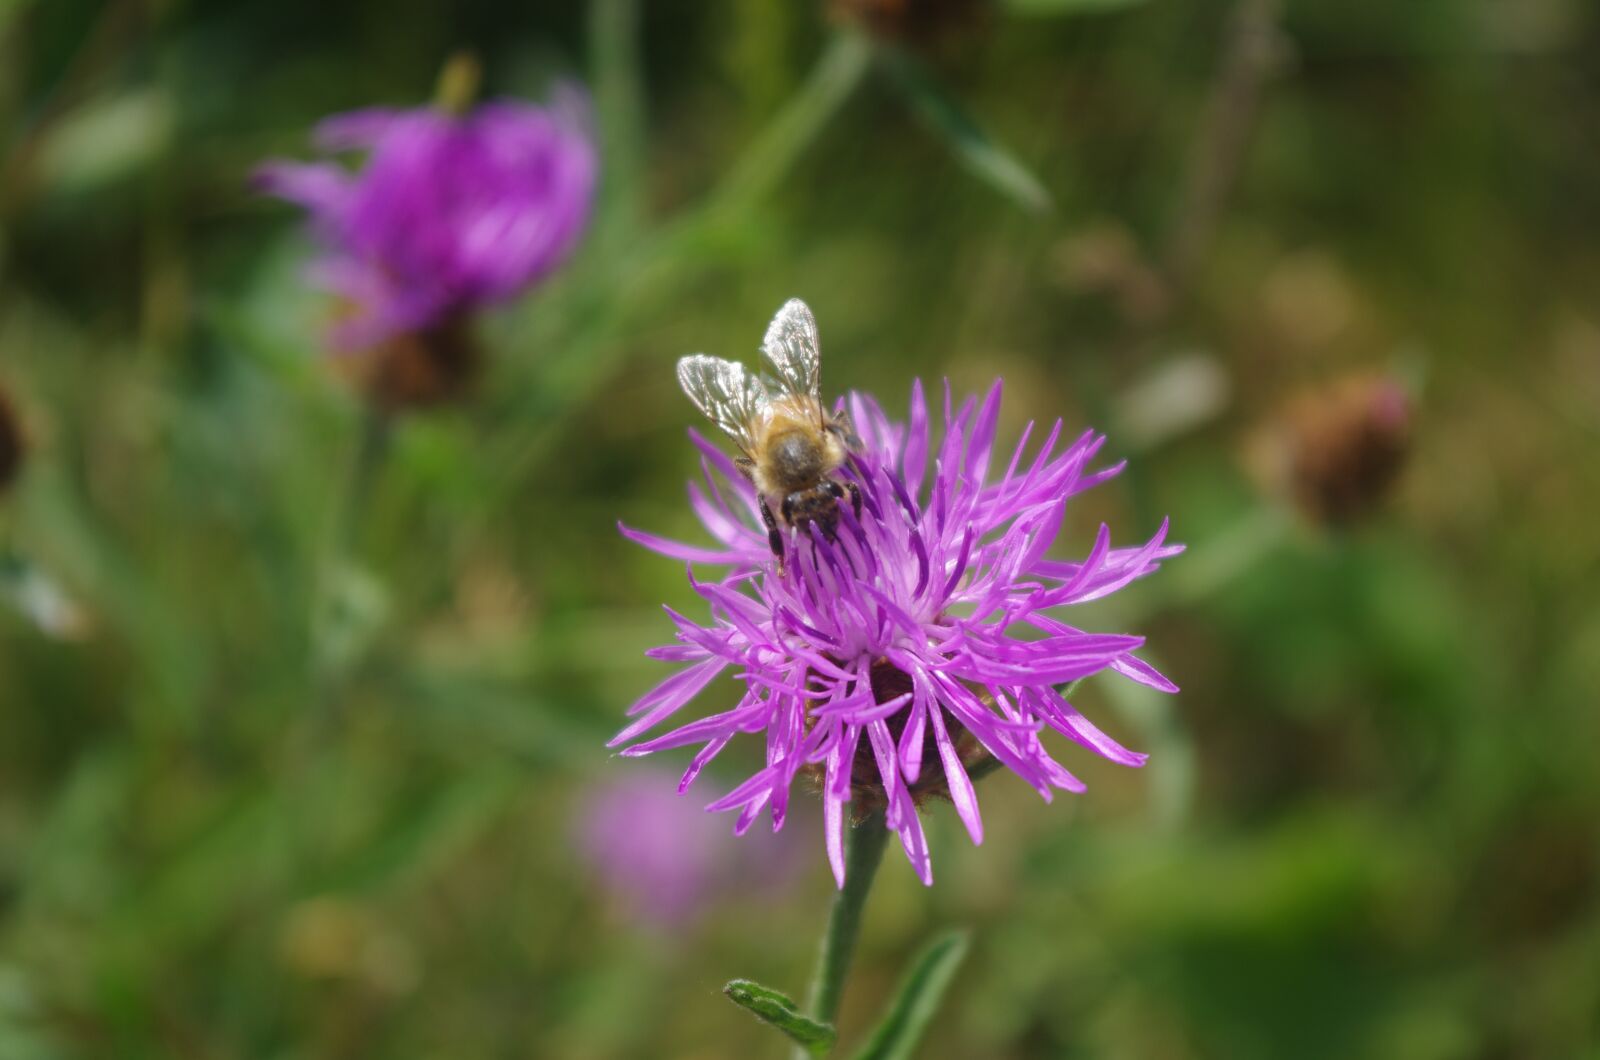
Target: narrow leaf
{"x":917,"y":1001}
{"x":984,"y":158}
{"x":778,"y":1009}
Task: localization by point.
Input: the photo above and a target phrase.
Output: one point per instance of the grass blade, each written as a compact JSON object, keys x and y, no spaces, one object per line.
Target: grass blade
{"x":984,"y":158}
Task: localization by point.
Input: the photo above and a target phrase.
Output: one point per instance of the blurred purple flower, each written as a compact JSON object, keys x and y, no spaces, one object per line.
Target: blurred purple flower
{"x":659,"y":854}
{"x":894,"y":644}
{"x":450,"y":213}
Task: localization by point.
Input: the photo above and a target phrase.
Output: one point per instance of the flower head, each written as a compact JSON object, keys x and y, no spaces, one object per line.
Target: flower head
{"x":1336,"y":450}
{"x":923,"y":641}
{"x":450,"y":212}
{"x":652,"y":851}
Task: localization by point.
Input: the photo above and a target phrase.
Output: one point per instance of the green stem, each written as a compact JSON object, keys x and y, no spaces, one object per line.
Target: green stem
{"x":864,"y":845}
{"x":459,"y":81}
{"x":619,"y":108}
{"x":372,"y":449}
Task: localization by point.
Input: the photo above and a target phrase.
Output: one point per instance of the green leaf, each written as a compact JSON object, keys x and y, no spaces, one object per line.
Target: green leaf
{"x":1067,"y":7}
{"x":918,"y":1000}
{"x":779,"y":1010}
{"x":984,"y":158}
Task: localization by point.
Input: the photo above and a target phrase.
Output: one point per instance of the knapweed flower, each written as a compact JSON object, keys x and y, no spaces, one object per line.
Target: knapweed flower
{"x":451,"y":212}
{"x":923,"y":642}
{"x":662,"y":859}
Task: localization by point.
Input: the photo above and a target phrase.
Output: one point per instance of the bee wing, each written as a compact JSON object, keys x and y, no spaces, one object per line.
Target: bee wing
{"x":729,"y":396}
{"x":791,"y":347}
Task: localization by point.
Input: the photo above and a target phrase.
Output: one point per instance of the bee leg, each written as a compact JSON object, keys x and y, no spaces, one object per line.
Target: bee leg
{"x":840,"y":425}
{"x":774,"y":536}
{"x":827,"y":521}
{"x":746,"y":466}
{"x":836,"y":490}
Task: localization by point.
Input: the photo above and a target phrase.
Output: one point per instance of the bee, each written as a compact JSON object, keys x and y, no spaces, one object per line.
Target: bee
{"x":791,"y":446}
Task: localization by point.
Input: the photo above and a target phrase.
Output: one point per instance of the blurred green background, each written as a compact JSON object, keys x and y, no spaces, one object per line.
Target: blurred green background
{"x":286,"y":776}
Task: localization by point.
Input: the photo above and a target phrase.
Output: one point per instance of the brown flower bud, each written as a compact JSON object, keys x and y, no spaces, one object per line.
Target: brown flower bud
{"x":1337,"y":450}
{"x":13,"y":446}
{"x":920,"y":23}
{"x":421,"y":369}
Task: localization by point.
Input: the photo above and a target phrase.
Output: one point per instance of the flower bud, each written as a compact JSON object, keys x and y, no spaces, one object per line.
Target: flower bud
{"x":919,"y":23}
{"x":12,"y":444}
{"x":420,"y":369}
{"x":1336,"y":451}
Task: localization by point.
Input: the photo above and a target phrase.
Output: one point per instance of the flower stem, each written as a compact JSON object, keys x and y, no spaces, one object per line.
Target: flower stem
{"x":372,"y":449}
{"x":863,"y":851}
{"x":457,"y":89}
{"x":619,"y":108}
{"x":331,"y":650}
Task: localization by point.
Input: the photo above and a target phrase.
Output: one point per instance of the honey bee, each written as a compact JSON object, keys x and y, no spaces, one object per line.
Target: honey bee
{"x":791,"y":446}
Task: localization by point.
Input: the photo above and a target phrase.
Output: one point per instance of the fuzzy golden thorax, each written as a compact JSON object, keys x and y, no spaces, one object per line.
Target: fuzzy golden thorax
{"x":793,"y":450}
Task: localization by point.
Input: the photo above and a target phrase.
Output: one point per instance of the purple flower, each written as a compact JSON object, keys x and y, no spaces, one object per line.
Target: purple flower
{"x":449,"y":213}
{"x":924,"y":643}
{"x":655,"y":852}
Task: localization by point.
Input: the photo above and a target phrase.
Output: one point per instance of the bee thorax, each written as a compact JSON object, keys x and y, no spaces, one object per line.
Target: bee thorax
{"x":796,"y":462}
